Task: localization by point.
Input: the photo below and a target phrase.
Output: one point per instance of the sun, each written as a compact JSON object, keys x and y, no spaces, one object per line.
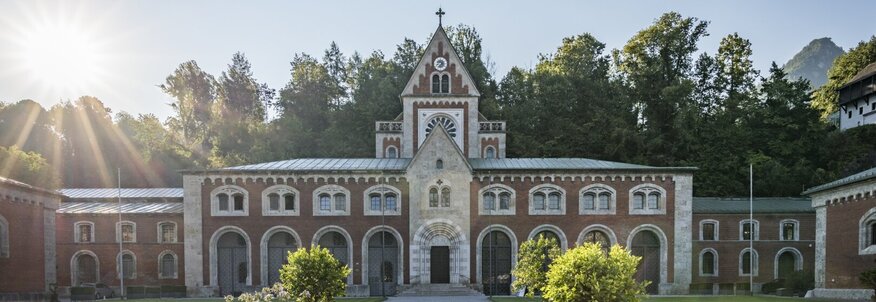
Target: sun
{"x":60,"y":57}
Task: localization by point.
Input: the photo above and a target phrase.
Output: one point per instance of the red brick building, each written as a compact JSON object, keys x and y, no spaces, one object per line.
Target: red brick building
{"x":782,"y":235}
{"x":27,"y":240}
{"x":439,"y":203}
{"x":89,"y":229}
{"x":845,"y":244}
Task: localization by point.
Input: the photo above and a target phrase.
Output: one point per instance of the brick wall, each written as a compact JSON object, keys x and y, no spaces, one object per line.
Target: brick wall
{"x":146,"y":249}
{"x":843,"y":263}
{"x":306,"y":225}
{"x":729,"y":246}
{"x":26,"y":258}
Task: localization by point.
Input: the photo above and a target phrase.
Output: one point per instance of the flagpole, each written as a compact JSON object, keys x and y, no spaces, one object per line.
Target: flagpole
{"x":751,"y":223}
{"x":121,"y":238}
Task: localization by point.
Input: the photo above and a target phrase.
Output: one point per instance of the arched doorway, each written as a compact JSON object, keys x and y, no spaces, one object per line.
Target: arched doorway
{"x":788,"y":260}
{"x":383,"y":263}
{"x":496,"y":263}
{"x":279,"y":245}
{"x":86,"y":269}
{"x":233,"y":264}
{"x":337,"y":244}
{"x":646,"y":244}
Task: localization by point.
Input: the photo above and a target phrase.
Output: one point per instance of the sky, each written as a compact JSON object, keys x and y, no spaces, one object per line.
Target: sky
{"x":120,"y":51}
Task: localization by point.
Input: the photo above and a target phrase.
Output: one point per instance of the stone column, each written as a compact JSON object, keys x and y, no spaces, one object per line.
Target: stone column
{"x":682,"y":257}
{"x":194,"y":239}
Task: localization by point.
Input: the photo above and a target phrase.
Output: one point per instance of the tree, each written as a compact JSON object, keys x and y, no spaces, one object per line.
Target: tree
{"x":587,"y":273}
{"x":657,"y":63}
{"x":844,"y":68}
{"x":194,"y":92}
{"x":533,"y":260}
{"x":28,"y":167}
{"x":314,"y":275}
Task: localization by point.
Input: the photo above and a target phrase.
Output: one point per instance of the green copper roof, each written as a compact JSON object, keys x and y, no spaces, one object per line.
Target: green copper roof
{"x":860,"y":176}
{"x":717,"y":205}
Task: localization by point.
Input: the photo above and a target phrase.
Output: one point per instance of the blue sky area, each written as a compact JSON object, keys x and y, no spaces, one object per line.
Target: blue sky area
{"x":129,"y":47}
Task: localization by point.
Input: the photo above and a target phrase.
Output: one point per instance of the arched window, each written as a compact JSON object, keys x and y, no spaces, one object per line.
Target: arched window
{"x":588,"y":201}
{"x":439,"y":164}
{"x":167,"y":232}
{"x":489,"y":201}
{"x":325,"y":203}
{"x":647,"y":199}
{"x":445,"y":197}
{"x":749,"y":230}
{"x":789,"y":230}
{"x":547,"y":199}
{"x":229,"y":200}
{"x":490,"y":152}
{"x":597,"y":199}
{"x":496,"y":199}
{"x":554,"y":201}
{"x":538,"y":201}
{"x":867,"y":233}
{"x":331,"y":200}
{"x":504,"y":201}
{"x":638,"y":201}
{"x":433,"y":197}
{"x":708,"y":263}
{"x":445,"y":84}
{"x":391,"y":152}
{"x":748,"y":262}
{"x":382,"y":200}
{"x":709,"y":230}
{"x":127,"y":263}
{"x":167,"y":265}
{"x":223,"y":201}
{"x":436,"y":84}
{"x":281,"y":200}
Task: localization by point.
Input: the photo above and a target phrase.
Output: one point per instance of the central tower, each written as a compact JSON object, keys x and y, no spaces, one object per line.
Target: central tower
{"x":440,"y":92}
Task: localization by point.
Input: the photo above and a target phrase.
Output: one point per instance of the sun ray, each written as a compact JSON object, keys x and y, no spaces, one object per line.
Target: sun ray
{"x":106,"y":178}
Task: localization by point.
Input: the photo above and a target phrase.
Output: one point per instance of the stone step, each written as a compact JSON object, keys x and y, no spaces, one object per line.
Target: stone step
{"x":438,"y":290}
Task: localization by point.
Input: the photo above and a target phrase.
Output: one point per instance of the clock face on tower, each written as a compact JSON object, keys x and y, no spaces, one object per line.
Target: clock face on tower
{"x":440,"y":63}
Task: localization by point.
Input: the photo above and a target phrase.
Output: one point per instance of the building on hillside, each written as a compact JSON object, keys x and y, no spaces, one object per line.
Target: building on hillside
{"x":781,"y":233}
{"x":845,"y":244}
{"x":27,"y":241}
{"x":453,"y":208}
{"x":150,"y":229}
{"x":857,"y":99}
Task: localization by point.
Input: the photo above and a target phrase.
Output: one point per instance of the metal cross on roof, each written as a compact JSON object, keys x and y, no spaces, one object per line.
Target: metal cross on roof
{"x":440,"y":14}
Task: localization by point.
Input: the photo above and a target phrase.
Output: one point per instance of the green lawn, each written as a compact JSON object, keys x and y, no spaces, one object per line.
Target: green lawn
{"x":691,"y":299}
{"x":371,"y":299}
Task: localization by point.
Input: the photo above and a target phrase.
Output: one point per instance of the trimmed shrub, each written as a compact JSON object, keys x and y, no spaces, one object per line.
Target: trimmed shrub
{"x":314,"y":275}
{"x":587,"y":273}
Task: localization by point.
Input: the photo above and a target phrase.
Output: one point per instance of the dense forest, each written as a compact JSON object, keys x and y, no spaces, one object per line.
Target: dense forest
{"x":657,"y":101}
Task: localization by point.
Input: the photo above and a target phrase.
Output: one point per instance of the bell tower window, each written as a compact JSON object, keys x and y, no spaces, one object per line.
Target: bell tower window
{"x":440,"y":83}
{"x":436,"y":84}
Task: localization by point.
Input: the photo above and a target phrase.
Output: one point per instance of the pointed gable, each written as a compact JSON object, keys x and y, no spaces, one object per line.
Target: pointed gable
{"x":439,"y":145}
{"x":461,"y":82}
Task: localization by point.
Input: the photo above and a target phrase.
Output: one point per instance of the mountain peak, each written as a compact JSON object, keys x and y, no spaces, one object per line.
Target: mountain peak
{"x":813,"y":61}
